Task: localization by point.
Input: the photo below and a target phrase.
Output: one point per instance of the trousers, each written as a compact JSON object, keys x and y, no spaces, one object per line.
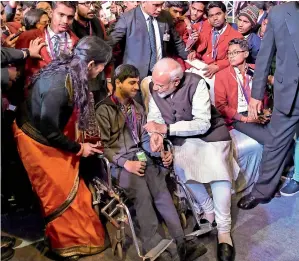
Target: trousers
{"x":146,"y":192}
{"x":220,"y":204}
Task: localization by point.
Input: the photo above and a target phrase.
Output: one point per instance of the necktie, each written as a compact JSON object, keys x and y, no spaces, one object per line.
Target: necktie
{"x":152,"y":39}
{"x":214,"y":43}
{"x":56,"y":45}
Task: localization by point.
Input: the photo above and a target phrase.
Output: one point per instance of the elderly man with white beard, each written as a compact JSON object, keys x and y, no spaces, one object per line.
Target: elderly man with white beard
{"x":180,"y":108}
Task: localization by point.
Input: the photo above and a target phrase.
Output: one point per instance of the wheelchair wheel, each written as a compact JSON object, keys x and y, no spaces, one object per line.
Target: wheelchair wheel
{"x":183,"y":220}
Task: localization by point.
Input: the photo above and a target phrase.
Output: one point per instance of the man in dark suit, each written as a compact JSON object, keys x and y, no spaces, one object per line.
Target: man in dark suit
{"x":282,"y":36}
{"x":149,"y":33}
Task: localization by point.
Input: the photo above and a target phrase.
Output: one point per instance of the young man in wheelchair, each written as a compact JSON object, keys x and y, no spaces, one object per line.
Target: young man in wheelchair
{"x":126,"y":146}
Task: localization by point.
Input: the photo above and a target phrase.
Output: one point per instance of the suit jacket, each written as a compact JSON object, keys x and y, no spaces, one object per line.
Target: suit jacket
{"x":34,"y":65}
{"x":132,"y":27}
{"x":8,"y":56}
{"x":285,"y":20}
{"x":204,"y":49}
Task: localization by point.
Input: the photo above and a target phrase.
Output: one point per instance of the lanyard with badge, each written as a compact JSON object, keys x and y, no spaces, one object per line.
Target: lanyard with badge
{"x":215,"y":43}
{"x":131,"y":121}
{"x":51,"y":44}
{"x":166,"y":36}
{"x":244,"y":85}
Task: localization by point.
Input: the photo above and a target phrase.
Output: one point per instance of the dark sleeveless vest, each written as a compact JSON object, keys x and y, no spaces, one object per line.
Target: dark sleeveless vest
{"x":179,"y":108}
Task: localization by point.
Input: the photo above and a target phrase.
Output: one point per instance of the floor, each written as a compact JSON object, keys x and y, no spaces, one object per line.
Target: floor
{"x":267,"y":233}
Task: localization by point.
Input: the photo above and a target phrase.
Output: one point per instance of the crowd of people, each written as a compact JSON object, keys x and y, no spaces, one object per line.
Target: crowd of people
{"x":223,"y":92}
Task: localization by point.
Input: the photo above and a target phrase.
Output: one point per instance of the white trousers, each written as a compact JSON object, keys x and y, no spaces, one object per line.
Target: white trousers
{"x":220,"y":204}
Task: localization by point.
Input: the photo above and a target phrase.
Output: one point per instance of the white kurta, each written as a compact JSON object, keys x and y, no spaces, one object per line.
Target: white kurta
{"x":201,"y":161}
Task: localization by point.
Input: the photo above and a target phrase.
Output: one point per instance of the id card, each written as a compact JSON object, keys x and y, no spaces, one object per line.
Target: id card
{"x":166,"y":37}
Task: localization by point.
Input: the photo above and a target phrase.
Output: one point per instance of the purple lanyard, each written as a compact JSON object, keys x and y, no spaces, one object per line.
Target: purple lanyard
{"x":215,"y":45}
{"x":131,"y":122}
{"x":51,"y":45}
{"x":90,"y":29}
{"x":244,"y":86}
{"x":200,"y":27}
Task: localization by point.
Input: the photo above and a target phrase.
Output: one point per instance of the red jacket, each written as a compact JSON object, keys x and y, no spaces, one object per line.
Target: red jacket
{"x":13,"y":27}
{"x":34,"y":65}
{"x":204,"y":48}
{"x":197,"y":27}
{"x":226,"y":94}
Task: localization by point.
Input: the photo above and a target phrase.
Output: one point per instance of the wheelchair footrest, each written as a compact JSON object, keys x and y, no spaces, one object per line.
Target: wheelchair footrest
{"x":155,"y":252}
{"x":204,"y":228}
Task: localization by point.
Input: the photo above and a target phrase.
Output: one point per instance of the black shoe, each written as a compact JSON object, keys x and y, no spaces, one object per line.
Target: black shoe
{"x":7,"y":242}
{"x":71,"y":258}
{"x":191,"y":250}
{"x":290,"y":189}
{"x":225,"y":252}
{"x":7,"y":253}
{"x":249,"y":202}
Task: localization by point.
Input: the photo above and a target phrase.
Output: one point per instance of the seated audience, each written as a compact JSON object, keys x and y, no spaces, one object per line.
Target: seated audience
{"x":247,"y":20}
{"x":121,"y":121}
{"x":212,"y":45}
{"x":180,"y":108}
{"x":232,"y":94}
{"x":45,"y":132}
{"x":36,"y":19}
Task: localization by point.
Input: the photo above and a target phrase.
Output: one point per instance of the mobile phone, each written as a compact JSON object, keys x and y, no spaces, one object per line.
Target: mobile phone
{"x":16,"y":35}
{"x":6,"y":32}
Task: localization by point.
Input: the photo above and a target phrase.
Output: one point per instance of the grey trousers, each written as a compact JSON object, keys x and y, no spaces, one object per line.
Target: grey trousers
{"x":144,"y":192}
{"x":278,"y":139}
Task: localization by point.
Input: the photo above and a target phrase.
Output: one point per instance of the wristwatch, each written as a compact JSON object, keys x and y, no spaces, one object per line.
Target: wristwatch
{"x":26,"y":52}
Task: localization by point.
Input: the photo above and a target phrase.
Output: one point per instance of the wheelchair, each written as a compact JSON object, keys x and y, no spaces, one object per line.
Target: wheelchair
{"x":117,"y":212}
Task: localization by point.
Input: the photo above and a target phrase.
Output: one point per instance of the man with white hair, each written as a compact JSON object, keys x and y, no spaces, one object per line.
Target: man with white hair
{"x":180,"y":107}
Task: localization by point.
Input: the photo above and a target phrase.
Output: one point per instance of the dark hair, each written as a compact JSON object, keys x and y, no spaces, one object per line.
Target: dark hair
{"x":123,"y":72}
{"x":243,"y":43}
{"x":178,"y":4}
{"x":32,"y":17}
{"x":258,"y":4}
{"x":201,"y":2}
{"x":218,"y":4}
{"x":269,"y":4}
{"x":89,"y":48}
{"x":71,"y":4}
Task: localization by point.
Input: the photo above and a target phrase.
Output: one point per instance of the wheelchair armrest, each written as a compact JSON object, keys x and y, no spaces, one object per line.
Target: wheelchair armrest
{"x":107,"y":163}
{"x":168,"y":145}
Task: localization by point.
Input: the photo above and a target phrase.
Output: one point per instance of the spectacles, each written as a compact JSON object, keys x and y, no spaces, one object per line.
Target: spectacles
{"x":234,"y":53}
{"x":88,"y":4}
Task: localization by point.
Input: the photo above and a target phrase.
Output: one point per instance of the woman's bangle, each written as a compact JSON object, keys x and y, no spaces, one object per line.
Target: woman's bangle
{"x":80,"y":153}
